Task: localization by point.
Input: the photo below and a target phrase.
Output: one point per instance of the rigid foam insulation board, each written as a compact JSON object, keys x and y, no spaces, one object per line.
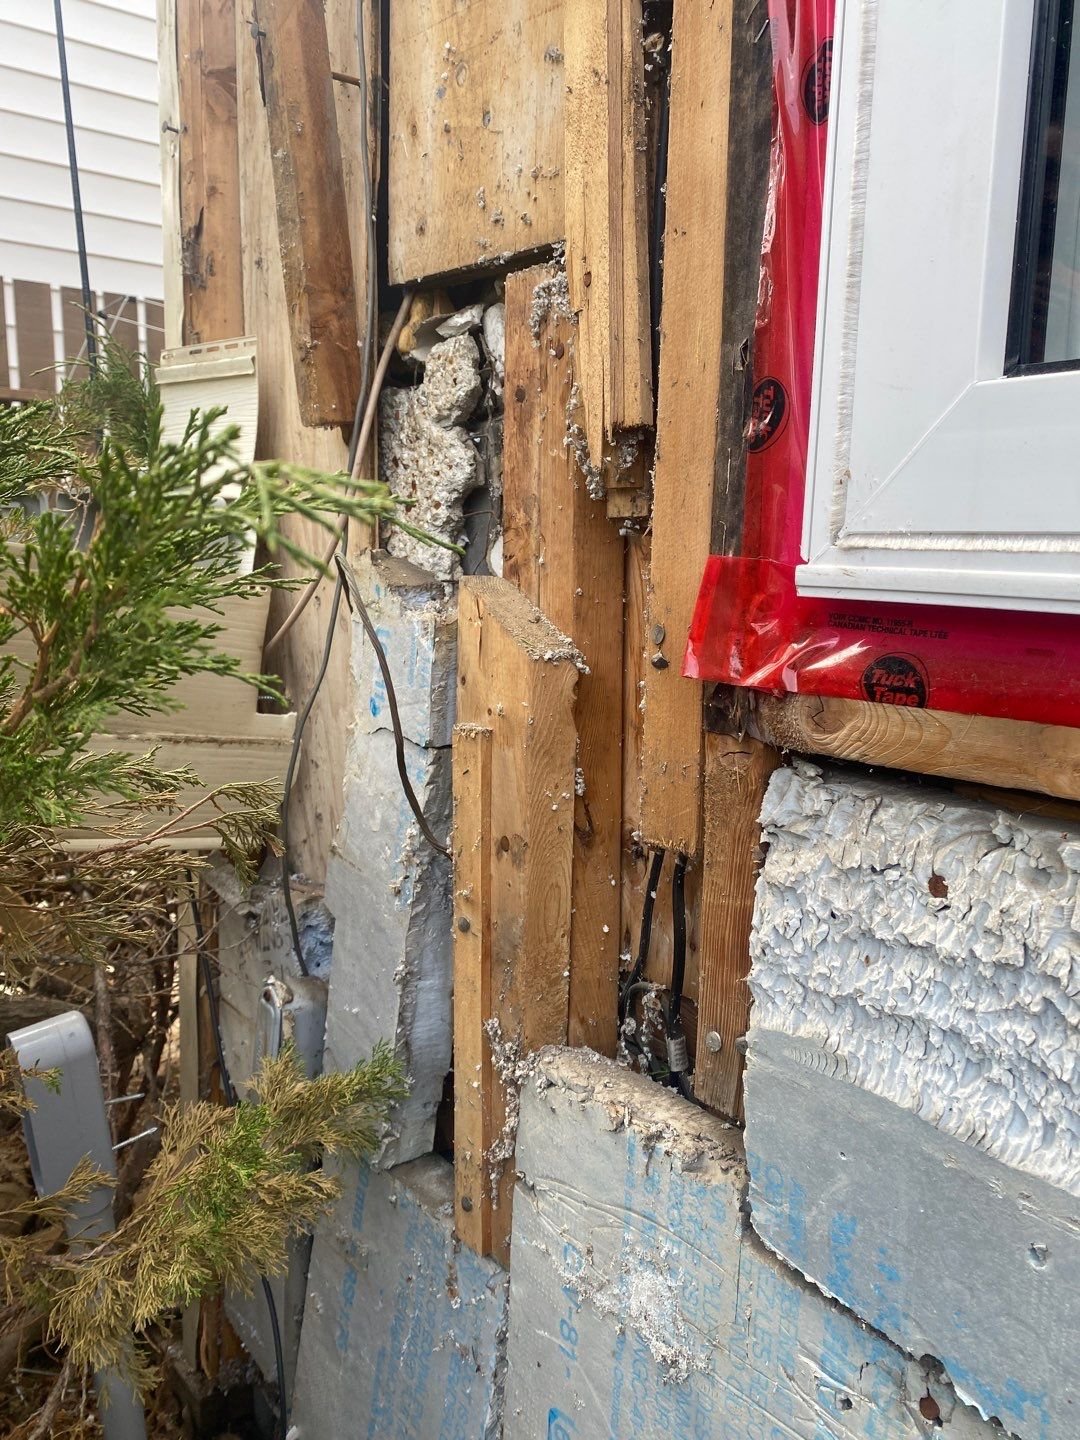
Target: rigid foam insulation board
{"x":389,"y":891}
{"x":254,"y":946}
{"x":913,"y":1076}
{"x":404,"y":1329}
{"x":642,"y":1304}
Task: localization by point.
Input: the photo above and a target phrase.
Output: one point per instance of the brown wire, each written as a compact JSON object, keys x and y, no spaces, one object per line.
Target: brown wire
{"x":362,"y":444}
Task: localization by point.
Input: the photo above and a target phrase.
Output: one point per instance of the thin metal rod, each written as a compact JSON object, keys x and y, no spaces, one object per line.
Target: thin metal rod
{"x":76,"y":193}
{"x":132,"y":1138}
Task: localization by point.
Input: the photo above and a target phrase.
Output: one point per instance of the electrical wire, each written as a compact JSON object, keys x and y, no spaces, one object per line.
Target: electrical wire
{"x":356,"y":599}
{"x":363,"y":419}
{"x":232,"y":1100}
{"x":678,"y":941}
{"x":362,"y":440}
{"x":645,"y":934}
{"x":290,"y":775}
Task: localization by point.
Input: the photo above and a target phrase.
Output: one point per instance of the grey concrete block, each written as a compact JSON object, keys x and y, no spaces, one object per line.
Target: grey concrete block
{"x":642,"y":1305}
{"x":404,"y":1330}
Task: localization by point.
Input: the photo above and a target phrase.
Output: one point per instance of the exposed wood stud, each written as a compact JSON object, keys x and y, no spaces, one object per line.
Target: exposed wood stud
{"x":560,"y":549}
{"x":517,"y":678}
{"x":473,"y":1076}
{"x":736,"y":774}
{"x":209,"y":171}
{"x":687,"y":426}
{"x":607,"y":246}
{"x":312,"y":210}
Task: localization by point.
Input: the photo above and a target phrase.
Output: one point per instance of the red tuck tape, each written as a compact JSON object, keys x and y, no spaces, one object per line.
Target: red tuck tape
{"x":750,"y":627}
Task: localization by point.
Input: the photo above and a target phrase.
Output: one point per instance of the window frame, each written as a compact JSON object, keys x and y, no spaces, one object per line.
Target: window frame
{"x":956,"y":517}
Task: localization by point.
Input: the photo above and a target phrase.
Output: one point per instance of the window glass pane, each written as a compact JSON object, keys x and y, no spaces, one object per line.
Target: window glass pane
{"x":1046,"y":318}
{"x":1063,"y":306}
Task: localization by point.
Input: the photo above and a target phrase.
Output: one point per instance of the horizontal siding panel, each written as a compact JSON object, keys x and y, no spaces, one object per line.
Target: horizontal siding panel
{"x":24,"y":222}
{"x":131,"y":31}
{"x":96,"y":68}
{"x":36,"y":138}
{"x":53,"y":264}
{"x":108,"y":114}
{"x":50,"y":184}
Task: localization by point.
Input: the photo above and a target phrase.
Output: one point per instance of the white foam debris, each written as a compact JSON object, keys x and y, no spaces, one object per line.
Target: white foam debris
{"x":934,"y":943}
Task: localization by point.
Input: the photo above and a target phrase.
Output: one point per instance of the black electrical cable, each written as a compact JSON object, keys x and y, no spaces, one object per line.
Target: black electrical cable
{"x":645,"y":934}
{"x":354,"y":441}
{"x":678,"y":941}
{"x":355,"y":598}
{"x":76,"y":192}
{"x":231,"y":1100}
{"x":290,"y":773}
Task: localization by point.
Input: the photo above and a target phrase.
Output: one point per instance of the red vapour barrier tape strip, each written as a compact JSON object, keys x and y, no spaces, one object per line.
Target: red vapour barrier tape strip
{"x":750,"y":627}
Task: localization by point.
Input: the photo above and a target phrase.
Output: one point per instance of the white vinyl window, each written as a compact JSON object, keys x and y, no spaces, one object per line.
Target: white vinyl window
{"x":944,"y":462}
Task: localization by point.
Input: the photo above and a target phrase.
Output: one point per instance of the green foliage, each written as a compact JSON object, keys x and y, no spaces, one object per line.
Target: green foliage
{"x":220,"y":1202}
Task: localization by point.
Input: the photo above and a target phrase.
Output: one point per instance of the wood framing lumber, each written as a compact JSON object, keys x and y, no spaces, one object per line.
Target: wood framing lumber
{"x":607,"y":244}
{"x":1008,"y":754}
{"x":169,"y":114}
{"x":317,"y":795}
{"x":476,"y":133}
{"x":562,"y":551}
{"x":747,"y":194}
{"x":474,"y":1079}
{"x":517,"y":677}
{"x":692,"y":318}
{"x":209,"y":170}
{"x":736,"y":774}
{"x":312,"y":211}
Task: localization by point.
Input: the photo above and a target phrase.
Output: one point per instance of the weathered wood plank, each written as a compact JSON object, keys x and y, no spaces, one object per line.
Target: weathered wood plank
{"x":169,"y":116}
{"x":607,"y":244}
{"x":1008,"y":754}
{"x":747,"y":193}
{"x":736,"y":774}
{"x":209,"y":170}
{"x":474,"y":1080}
{"x":312,"y":210}
{"x":517,"y":676}
{"x":317,"y":796}
{"x":560,"y":549}
{"x":690,"y":381}
{"x":476,"y":132}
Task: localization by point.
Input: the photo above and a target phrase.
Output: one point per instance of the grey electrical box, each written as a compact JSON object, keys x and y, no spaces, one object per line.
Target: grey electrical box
{"x":68,"y":1124}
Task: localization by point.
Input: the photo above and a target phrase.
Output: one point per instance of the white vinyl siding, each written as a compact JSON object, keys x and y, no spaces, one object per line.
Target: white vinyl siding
{"x":112,"y":64}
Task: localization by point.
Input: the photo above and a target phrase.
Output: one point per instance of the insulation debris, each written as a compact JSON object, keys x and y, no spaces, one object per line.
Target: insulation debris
{"x":426,"y":457}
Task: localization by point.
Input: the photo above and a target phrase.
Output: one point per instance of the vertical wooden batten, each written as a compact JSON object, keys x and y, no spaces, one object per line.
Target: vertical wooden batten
{"x":692,"y":320}
{"x":607,"y":244}
{"x":209,"y":171}
{"x":736,"y":774}
{"x":562,"y":551}
{"x":517,"y":676}
{"x":169,"y":115}
{"x":312,"y":210}
{"x":317,"y":796}
{"x":474,"y":1080}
